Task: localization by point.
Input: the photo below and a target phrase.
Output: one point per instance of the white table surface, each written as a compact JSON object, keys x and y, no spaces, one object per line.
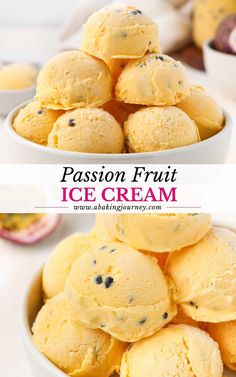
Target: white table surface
{"x":17,"y":264}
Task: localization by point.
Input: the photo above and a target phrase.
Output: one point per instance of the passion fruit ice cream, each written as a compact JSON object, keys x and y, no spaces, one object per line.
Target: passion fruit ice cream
{"x":204,"y":276}
{"x":87,"y":131}
{"x":154,"y":79}
{"x":159,"y":233}
{"x":76,"y":350}
{"x":224,"y":334}
{"x":119,"y":290}
{"x":154,"y":129}
{"x":17,"y":76}
{"x":35,"y":123}
{"x":60,"y":261}
{"x":204,"y":111}
{"x":120,"y":31}
{"x":176,"y":351}
{"x":73,"y":79}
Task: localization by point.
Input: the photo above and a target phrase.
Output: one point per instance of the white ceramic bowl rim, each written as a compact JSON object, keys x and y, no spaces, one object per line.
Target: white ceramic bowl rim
{"x":208,"y":46}
{"x":26,"y":331}
{"x":124,"y":156}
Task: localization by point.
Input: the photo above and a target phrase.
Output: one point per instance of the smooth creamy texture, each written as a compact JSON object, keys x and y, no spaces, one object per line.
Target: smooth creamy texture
{"x":120,"y":110}
{"x":207,"y":16}
{"x":176,"y":351}
{"x":17,"y":76}
{"x":122,"y":291}
{"x":225,"y":335}
{"x":73,"y":79}
{"x":60,"y":261}
{"x":159,"y":232}
{"x":159,"y":128}
{"x":205,"y":277}
{"x":34,"y":123}
{"x":204,"y":111}
{"x":77,"y":351}
{"x":120,"y":31}
{"x":153,"y":80}
{"x":88,"y":131}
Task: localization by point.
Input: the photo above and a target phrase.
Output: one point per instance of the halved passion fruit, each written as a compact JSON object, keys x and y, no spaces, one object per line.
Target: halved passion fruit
{"x":27,"y":228}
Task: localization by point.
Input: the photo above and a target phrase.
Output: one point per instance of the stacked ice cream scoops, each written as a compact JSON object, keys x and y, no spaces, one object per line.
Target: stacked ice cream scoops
{"x":118,"y":93}
{"x":138,"y":296}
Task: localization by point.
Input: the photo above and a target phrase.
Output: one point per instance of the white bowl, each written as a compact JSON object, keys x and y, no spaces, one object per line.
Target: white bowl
{"x":211,"y":151}
{"x":32,"y":302}
{"x":221,"y":69}
{"x":9,"y":99}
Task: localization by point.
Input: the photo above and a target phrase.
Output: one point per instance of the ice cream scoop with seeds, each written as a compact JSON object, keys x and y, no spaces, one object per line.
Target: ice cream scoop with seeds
{"x":88,"y":131}
{"x":120,"y":31}
{"x":204,"y":276}
{"x":76,"y":350}
{"x":73,"y":79}
{"x":154,"y":79}
{"x":176,"y":351}
{"x":204,"y":111}
{"x":154,"y":129}
{"x":155,"y":232}
{"x":120,"y":290}
{"x":60,"y":261}
{"x":35,"y":123}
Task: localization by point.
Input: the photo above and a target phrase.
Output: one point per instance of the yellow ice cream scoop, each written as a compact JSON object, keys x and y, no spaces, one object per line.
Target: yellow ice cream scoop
{"x":120,"y":290}
{"x":17,"y":76}
{"x":207,"y":17}
{"x":156,"y":232}
{"x":154,"y":129}
{"x":176,"y":351}
{"x":120,"y":31}
{"x":74,"y":79}
{"x":204,"y":111}
{"x":224,"y":334}
{"x":60,"y":261}
{"x":76,"y":350}
{"x":155,"y":79}
{"x":35,"y":123}
{"x":87,"y":130}
{"x":204,"y":275}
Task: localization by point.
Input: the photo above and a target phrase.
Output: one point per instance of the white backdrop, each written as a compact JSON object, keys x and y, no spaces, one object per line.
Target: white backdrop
{"x":34,"y":12}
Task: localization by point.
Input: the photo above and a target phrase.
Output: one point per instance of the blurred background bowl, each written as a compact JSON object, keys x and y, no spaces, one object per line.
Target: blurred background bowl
{"x":211,"y":151}
{"x":9,"y":99}
{"x":221,"y":68}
